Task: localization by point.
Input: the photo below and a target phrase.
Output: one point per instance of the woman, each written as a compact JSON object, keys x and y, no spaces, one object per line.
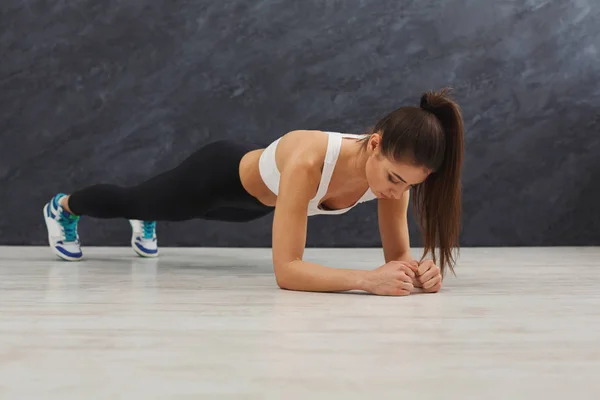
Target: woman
{"x":301,"y":174}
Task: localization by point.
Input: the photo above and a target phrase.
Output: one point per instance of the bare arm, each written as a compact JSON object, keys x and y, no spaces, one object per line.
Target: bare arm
{"x":393,"y":227}
{"x":298,"y":183}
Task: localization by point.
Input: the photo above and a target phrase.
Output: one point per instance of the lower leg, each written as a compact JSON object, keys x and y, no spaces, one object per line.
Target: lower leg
{"x":150,"y":201}
{"x":64,"y":202}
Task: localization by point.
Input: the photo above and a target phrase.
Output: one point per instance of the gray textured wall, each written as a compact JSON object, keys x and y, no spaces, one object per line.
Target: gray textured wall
{"x":118,"y":91}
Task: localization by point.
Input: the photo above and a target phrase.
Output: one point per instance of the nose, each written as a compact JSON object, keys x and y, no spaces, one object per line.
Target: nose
{"x":397,"y":193}
{"x":392,"y":194}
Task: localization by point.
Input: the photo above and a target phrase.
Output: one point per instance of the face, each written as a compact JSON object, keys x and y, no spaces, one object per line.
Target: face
{"x":389,"y":179}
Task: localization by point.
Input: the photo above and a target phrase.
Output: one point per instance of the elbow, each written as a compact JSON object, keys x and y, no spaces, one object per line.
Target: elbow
{"x":282,"y":275}
{"x":282,"y":283}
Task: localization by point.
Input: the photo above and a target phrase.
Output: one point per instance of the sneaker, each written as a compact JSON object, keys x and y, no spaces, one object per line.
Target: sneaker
{"x":143,"y":238}
{"x":62,"y":230}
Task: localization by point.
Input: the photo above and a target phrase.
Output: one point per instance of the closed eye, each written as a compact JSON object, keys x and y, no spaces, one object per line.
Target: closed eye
{"x":391,"y":179}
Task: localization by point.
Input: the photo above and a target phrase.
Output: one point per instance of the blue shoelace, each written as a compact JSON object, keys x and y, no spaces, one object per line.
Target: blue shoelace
{"x":148,"y":227}
{"x":66,"y":220}
{"x":70,"y":228}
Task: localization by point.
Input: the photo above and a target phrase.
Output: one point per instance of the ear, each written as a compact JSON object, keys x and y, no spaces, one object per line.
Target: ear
{"x":375,"y":142}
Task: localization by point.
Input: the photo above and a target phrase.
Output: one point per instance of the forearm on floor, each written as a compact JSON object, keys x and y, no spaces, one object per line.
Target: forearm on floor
{"x":306,"y":276}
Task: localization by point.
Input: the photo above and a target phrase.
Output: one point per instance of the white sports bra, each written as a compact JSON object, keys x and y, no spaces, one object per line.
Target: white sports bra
{"x":270,"y":174}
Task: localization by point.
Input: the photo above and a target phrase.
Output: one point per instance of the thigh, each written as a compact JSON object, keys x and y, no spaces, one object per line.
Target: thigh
{"x":196,"y":185}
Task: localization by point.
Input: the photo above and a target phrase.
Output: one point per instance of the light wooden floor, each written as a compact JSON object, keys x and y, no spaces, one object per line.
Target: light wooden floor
{"x":211,"y":323}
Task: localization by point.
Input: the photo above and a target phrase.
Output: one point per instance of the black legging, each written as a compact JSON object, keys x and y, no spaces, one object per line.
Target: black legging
{"x":206,"y":185}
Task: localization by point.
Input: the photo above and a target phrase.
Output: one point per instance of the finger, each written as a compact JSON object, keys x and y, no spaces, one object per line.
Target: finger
{"x":432,"y":282}
{"x":429,"y":274}
{"x":424,"y":267}
{"x":413,"y":268}
{"x":403,"y":278}
{"x":435,"y":289}
{"x":407,"y":270}
{"x":406,"y":286}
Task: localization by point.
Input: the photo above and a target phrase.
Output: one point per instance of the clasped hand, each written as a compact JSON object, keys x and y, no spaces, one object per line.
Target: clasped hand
{"x":399,"y":278}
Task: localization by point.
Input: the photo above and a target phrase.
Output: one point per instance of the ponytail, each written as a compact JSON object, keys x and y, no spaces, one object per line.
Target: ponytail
{"x":438,"y":200}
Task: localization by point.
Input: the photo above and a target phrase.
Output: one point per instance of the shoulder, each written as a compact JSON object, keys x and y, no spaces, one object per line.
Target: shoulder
{"x":300,"y":157}
{"x":303,"y":148}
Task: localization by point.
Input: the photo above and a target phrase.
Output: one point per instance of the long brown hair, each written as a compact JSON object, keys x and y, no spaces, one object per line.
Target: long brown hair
{"x":431,"y":135}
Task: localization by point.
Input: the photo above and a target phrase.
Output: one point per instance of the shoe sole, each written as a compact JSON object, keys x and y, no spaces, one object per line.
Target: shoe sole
{"x":141,"y":253}
{"x":54,"y":250}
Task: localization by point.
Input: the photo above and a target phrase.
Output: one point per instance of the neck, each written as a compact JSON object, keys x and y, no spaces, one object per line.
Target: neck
{"x":354,"y":161}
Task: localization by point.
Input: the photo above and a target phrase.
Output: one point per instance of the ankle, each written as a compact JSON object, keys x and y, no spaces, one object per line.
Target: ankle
{"x":64,"y":202}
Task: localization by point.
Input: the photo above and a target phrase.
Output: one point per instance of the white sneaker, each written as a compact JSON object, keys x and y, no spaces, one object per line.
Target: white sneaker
{"x":62,"y":230}
{"x":143,"y":238}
